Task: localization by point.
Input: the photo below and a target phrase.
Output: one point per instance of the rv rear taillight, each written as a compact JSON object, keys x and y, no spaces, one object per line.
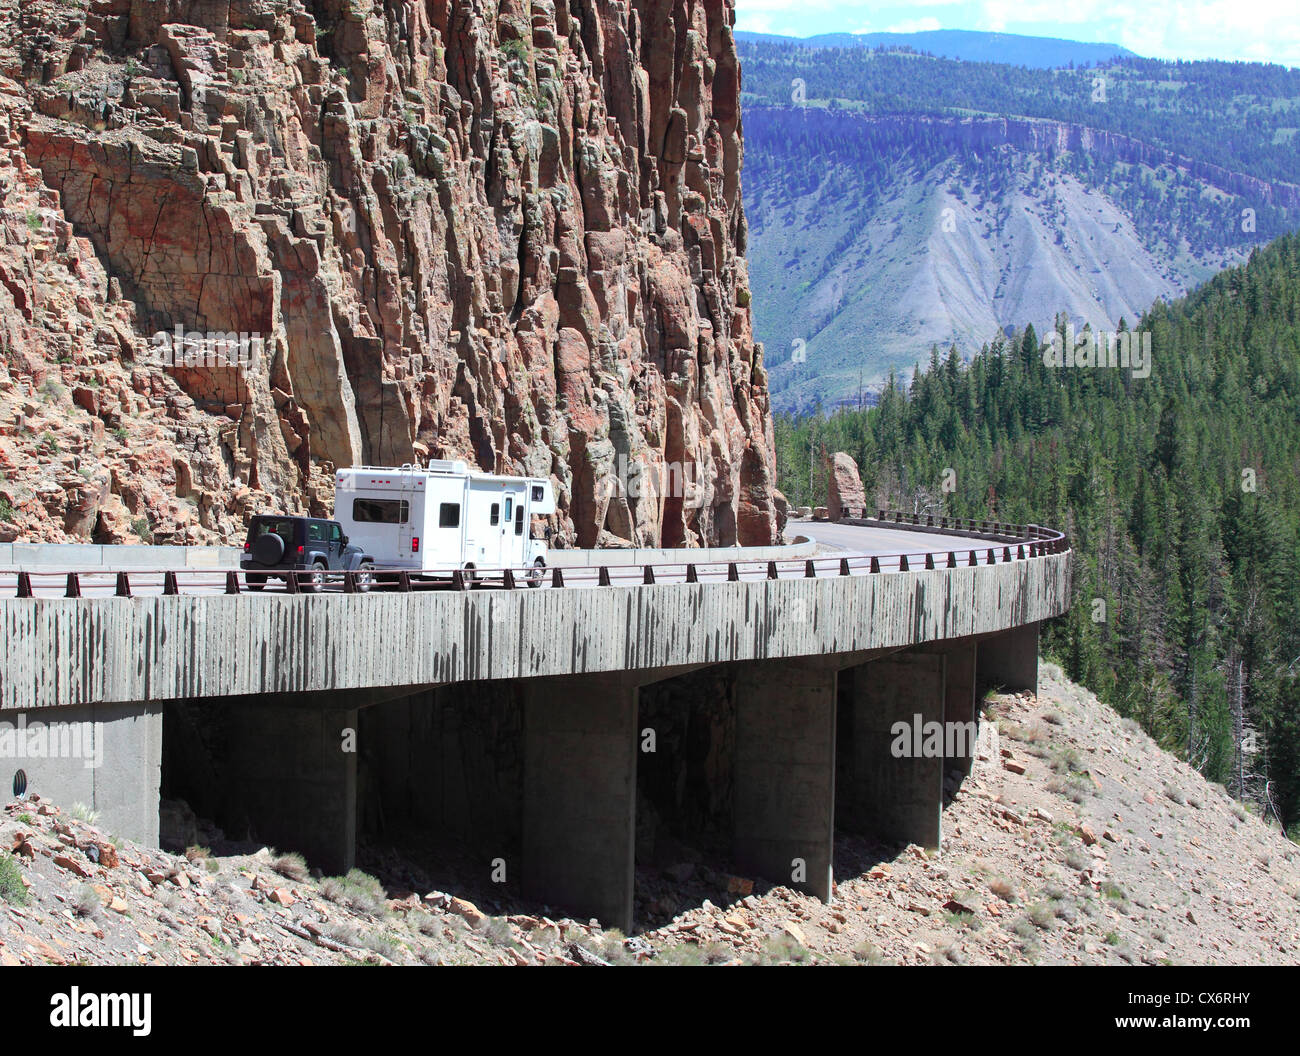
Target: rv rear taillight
{"x":415,"y":544}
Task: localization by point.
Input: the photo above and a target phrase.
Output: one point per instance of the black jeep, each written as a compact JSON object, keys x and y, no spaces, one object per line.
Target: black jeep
{"x":278,"y":544}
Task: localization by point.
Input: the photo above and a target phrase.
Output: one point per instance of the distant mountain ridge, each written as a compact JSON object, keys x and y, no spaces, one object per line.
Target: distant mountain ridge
{"x":966,"y":45}
{"x":897,"y":202}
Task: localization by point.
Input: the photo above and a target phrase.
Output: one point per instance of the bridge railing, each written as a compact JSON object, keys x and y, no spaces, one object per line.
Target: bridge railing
{"x":1009,"y":543}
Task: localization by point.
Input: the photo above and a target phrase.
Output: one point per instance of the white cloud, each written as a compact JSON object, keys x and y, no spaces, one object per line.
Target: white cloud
{"x":1263,"y":30}
{"x":916,"y":25}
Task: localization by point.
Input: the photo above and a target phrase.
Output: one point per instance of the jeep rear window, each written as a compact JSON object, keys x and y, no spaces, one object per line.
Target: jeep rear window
{"x":381,"y":511}
{"x":282,"y":528}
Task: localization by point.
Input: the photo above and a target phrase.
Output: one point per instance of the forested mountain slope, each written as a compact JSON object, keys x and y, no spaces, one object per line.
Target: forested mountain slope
{"x":1180,"y":492}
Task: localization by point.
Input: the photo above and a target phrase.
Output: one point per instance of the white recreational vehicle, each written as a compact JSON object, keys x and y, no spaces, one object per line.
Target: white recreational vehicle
{"x":443,"y":516}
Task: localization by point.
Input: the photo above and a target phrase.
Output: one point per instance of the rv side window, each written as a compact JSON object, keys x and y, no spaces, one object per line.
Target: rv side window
{"x":449,"y":515}
{"x":519,"y":520}
{"x":381,"y":511}
{"x":537,"y":493}
{"x":496,"y":513}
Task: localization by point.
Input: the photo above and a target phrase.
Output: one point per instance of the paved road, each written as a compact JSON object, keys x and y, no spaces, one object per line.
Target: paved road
{"x":878,"y":541}
{"x":837,"y":541}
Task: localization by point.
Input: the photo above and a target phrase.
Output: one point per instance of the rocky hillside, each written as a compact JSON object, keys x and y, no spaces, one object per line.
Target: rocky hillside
{"x":989,"y":225}
{"x":511,"y":233}
{"x":1074,"y":840}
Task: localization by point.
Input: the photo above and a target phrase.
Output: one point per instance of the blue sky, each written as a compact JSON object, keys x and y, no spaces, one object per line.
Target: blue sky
{"x":1255,"y":30}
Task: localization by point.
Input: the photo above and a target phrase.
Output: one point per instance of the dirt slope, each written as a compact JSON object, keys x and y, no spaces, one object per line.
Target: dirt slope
{"x":1104,"y":850}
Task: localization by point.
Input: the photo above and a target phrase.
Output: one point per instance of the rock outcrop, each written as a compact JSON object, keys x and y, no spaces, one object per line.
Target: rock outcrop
{"x":847,"y":497}
{"x":511,"y":233}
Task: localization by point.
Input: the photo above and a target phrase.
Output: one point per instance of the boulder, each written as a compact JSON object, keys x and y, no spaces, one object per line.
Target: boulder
{"x":847,"y":498}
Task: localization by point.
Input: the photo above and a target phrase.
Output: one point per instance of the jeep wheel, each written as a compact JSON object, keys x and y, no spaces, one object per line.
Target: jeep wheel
{"x":253,"y":581}
{"x":538,"y":571}
{"x":364,"y":579}
{"x":314,"y":581}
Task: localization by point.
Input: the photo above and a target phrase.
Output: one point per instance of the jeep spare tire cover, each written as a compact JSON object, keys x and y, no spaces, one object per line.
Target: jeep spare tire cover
{"x":268,"y":549}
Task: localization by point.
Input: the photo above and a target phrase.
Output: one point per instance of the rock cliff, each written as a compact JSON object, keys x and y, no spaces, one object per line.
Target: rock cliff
{"x":507,"y":232}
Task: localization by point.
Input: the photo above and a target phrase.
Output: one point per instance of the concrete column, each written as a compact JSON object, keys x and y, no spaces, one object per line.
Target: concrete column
{"x":107,"y":757}
{"x":892,"y":785}
{"x":1010,"y":659}
{"x":784,"y":795}
{"x":579,"y":838}
{"x":294,"y":780}
{"x":960,"y":707}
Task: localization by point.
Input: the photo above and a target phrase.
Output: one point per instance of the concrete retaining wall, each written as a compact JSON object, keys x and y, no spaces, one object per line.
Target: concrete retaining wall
{"x":61,"y":652}
{"x":90,"y":556}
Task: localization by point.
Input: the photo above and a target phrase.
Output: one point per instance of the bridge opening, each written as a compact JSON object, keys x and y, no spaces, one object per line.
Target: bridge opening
{"x":440,"y":791}
{"x":685,"y":831}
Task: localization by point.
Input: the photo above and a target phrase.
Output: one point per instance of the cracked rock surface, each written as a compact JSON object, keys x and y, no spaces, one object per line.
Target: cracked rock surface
{"x":505,"y":232}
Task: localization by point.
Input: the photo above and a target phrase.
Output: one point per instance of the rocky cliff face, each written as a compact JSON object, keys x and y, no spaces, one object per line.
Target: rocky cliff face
{"x":507,"y":232}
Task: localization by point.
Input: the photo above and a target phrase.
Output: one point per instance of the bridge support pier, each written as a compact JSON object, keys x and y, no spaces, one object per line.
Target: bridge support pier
{"x":784,"y":780}
{"x":579,"y":836}
{"x":1010,"y":659}
{"x":106,"y":756}
{"x":892,"y":781}
{"x":294,"y":778}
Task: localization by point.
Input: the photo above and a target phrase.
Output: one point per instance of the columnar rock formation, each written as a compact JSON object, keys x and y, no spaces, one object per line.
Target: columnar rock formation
{"x":507,"y":232}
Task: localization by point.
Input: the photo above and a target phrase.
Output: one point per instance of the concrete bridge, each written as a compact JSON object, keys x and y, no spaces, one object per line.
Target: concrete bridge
{"x":511,"y":717}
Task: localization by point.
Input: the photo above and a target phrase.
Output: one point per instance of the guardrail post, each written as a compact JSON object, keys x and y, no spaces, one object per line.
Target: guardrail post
{"x":602,"y":577}
{"x":1006,"y":553}
{"x":508,"y":579}
{"x":844,"y":566}
{"x":733,"y":573}
{"x":809,"y":569}
{"x":1020,"y":552}
{"x":952,"y":559}
{"x":929,"y":561}
{"x":557,"y":577}
{"x":771,"y":570}
{"x":991,"y":559}
{"x":973,"y":559}
{"x":291,"y":582}
{"x":123,"y":587}
{"x":457,"y":580}
{"x":649,"y":576}
{"x":232,"y":582}
{"x":875,"y":563}
{"x":349,"y":583}
{"x":169,"y":583}
{"x":691,"y":575}
{"x":24,"y":584}
{"x":903,"y":566}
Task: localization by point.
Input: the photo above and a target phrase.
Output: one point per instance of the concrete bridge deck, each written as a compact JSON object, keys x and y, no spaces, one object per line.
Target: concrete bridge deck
{"x":802,"y":656}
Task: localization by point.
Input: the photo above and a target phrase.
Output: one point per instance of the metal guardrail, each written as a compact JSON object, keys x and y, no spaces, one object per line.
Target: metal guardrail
{"x":1013,"y":543}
